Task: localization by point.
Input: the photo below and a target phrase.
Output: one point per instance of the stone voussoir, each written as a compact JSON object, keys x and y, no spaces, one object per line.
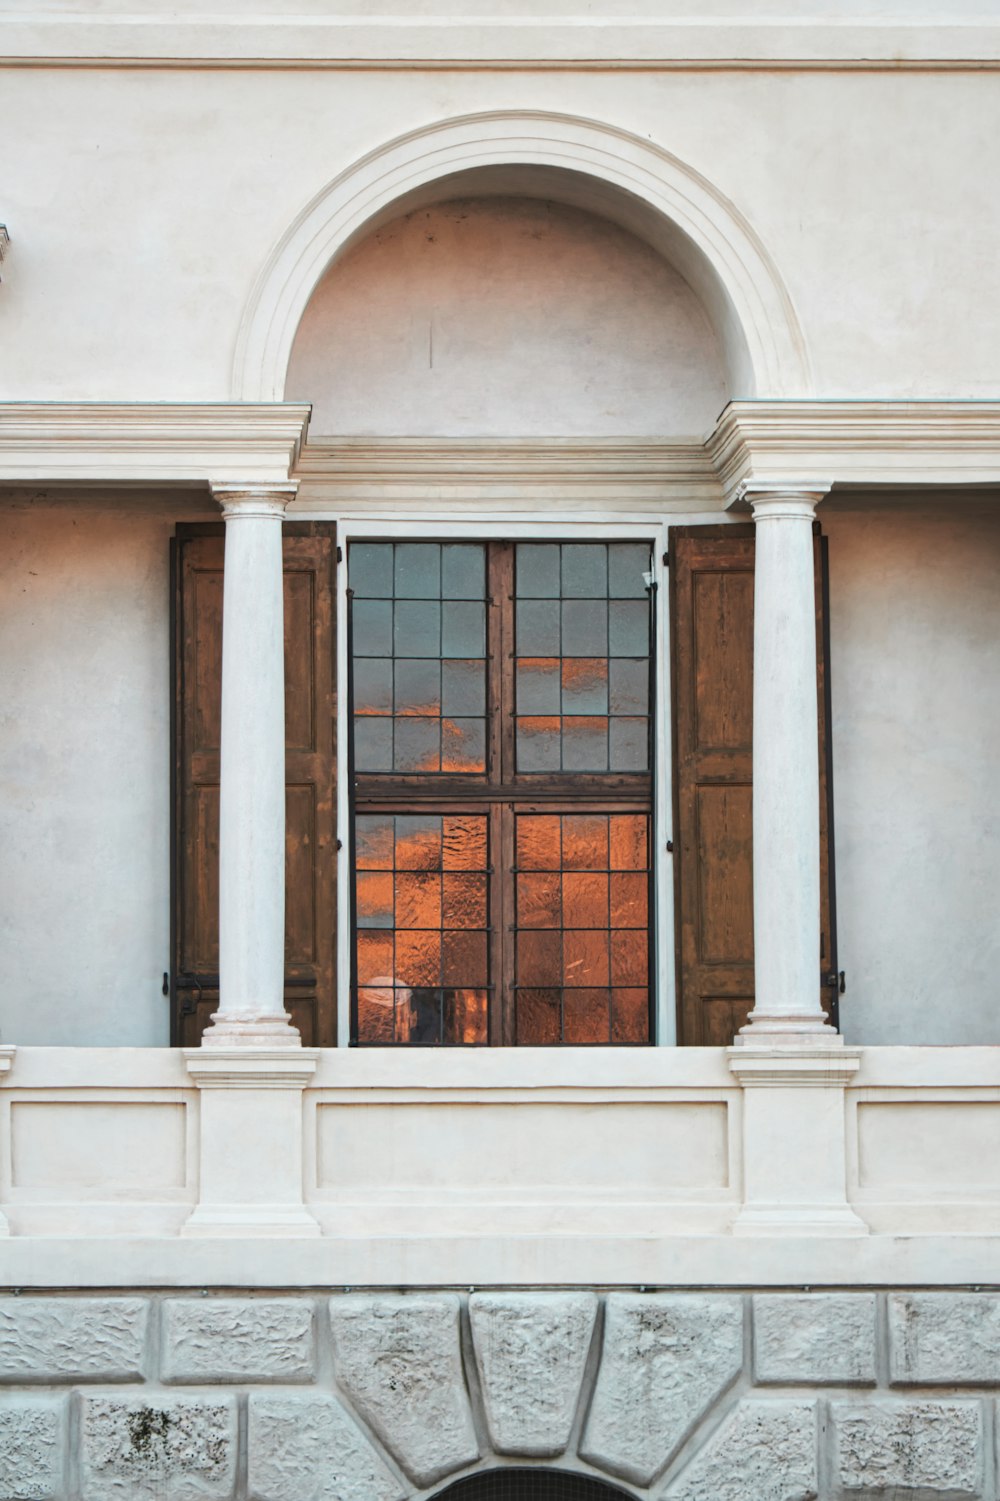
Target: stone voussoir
{"x":944,"y":1339}
{"x":666,"y":1359}
{"x":531,"y":1349}
{"x":916,"y":1448}
{"x":31,"y":1442}
{"x":305,"y":1447}
{"x":814,"y":1339}
{"x":238,"y":1339}
{"x":72,"y":1339}
{"x":399,"y":1361}
{"x":158,"y":1446}
{"x":763,"y":1450}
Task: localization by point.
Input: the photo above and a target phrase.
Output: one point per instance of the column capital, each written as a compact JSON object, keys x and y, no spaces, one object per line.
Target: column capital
{"x":262,"y":502}
{"x":782,"y":500}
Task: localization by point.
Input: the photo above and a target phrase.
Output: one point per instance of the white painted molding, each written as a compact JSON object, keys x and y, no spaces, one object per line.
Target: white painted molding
{"x":825,"y":1065}
{"x":584,"y":40}
{"x":638,"y":473}
{"x":165,"y":442}
{"x":6,"y":1064}
{"x":771,"y":445}
{"x":652,"y":192}
{"x":251,"y":1067}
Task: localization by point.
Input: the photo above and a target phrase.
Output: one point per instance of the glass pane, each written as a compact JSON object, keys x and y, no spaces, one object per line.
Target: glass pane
{"x":538,"y":685}
{"x":628,"y":841}
{"x":538,"y":744}
{"x":463,"y":745}
{"x":585,"y":685}
{"x":373,"y":841}
{"x":539,"y":957}
{"x":629,"y":744}
{"x":465,"y":1016}
{"x":464,"y":960}
{"x":373,"y":685}
{"x":585,"y":1016}
{"x":628,"y":685}
{"x":370,"y":565}
{"x":417,"y":629}
{"x":585,"y":627}
{"x":418,"y":899}
{"x":585,"y":841}
{"x":463,"y":571}
{"x":585,"y":745}
{"x":628,"y":562}
{"x":374,"y":898}
{"x":629,"y":958}
{"x":418,"y":570}
{"x":418,"y":957}
{"x":629,"y":898}
{"x":417,"y":745}
{"x":463,"y":901}
{"x":628,"y":630}
{"x":539,"y":901}
{"x":372,"y":743}
{"x":538,"y":1018}
{"x":463,"y":629}
{"x":585,"y":957}
{"x":371,"y":621}
{"x":584,"y":570}
{"x":537,"y":628}
{"x":464,"y":843}
{"x":418,"y":842}
{"x":418,"y":686}
{"x":538,"y":570}
{"x":585,"y":899}
{"x":375,"y":958}
{"x":538,"y":846}
{"x":463,"y":687}
{"x":630,"y":1016}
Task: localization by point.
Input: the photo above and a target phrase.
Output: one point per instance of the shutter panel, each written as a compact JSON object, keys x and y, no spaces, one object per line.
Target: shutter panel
{"x":310,"y":772}
{"x":711,"y":577}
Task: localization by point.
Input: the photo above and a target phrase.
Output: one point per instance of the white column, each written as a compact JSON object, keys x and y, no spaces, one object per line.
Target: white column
{"x":252,"y":776}
{"x":786,"y":853}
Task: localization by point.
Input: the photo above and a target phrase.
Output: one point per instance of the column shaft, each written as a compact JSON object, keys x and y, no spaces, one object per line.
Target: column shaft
{"x":252,"y":777}
{"x":786,"y":850}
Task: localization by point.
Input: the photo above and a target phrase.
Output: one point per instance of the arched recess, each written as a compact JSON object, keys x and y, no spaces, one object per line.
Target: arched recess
{"x":517,"y":1484}
{"x":583,"y":162}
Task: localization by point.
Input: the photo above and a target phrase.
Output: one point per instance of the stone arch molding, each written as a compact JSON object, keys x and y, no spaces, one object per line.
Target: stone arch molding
{"x":699,"y":229}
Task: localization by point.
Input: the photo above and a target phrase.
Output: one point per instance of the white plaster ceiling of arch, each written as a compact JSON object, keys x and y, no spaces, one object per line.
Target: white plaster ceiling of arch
{"x":508,"y":302}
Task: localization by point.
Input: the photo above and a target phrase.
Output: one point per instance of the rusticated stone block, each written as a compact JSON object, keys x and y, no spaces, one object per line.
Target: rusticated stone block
{"x":399,"y":1360}
{"x":308,"y":1449}
{"x":31,"y":1430}
{"x":814,"y":1338}
{"x":72,"y":1339}
{"x":666,"y":1359}
{"x":918,"y":1449}
{"x":944,"y":1338}
{"x":238,"y":1339}
{"x":763,"y":1450}
{"x":157,"y":1447}
{"x":530,"y":1352}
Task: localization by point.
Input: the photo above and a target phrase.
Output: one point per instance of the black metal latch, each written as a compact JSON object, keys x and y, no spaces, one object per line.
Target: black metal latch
{"x":836,"y":981}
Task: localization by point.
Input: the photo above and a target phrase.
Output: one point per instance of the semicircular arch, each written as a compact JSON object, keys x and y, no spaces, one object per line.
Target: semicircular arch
{"x":640,"y":184}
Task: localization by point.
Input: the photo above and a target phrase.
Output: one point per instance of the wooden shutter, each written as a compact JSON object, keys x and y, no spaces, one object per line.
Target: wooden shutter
{"x":310,"y":770}
{"x":711,"y":575}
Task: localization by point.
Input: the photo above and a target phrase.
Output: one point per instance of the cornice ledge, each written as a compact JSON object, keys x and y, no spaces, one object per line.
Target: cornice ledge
{"x":251,"y":1067}
{"x":7,"y":1054}
{"x":761,"y":444}
{"x":163,"y":442}
{"x":528,"y":457}
{"x":829,"y":1067}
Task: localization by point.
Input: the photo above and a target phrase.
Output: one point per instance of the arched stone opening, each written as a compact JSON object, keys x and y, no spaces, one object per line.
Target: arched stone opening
{"x":508,"y":304}
{"x":517,"y":1484}
{"x":579,"y":163}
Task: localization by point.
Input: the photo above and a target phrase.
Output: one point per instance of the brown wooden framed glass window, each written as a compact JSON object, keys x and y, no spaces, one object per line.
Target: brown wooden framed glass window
{"x":501,"y":703}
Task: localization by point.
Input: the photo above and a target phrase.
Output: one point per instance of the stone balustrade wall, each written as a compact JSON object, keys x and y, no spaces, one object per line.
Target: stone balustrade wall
{"x":376,"y":1396}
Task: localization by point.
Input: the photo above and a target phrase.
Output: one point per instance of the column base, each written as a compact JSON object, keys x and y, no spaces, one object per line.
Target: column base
{"x":239,"y":1221}
{"x":784,"y":1221}
{"x":787,"y":1030}
{"x":251,"y":1030}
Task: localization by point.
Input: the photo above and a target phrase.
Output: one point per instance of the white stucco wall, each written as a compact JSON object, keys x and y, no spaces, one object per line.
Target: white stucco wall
{"x":84,"y":772}
{"x":509,"y":317}
{"x":915,"y":613}
{"x":142,"y":204}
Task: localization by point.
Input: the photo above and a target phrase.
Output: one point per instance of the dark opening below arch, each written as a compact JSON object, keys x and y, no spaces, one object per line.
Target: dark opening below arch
{"x":530,"y":1485}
